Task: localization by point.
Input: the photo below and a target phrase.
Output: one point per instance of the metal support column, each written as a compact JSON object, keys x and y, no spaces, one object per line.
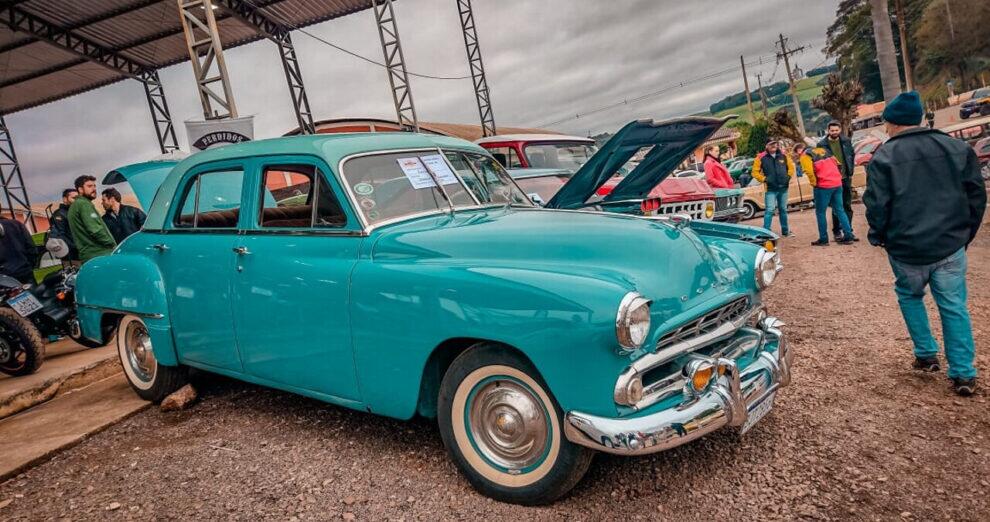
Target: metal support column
{"x":477,"y":68}
{"x":395,"y":65}
{"x":300,"y":102}
{"x":206,"y":54}
{"x":14,"y":192}
{"x":160,"y":114}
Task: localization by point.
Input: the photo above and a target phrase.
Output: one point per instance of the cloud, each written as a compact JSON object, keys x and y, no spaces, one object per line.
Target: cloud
{"x":546,"y":61}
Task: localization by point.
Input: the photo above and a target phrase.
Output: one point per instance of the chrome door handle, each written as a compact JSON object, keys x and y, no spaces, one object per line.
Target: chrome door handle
{"x":161,"y":247}
{"x":242,"y":251}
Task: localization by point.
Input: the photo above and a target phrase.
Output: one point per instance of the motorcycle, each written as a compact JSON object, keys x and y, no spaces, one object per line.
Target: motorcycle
{"x":31,"y":313}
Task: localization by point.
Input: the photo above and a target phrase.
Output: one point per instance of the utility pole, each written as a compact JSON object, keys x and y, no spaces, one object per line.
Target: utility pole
{"x":749,"y":98}
{"x":890,"y":77}
{"x":784,"y":53}
{"x":763,"y":96}
{"x":905,"y":58}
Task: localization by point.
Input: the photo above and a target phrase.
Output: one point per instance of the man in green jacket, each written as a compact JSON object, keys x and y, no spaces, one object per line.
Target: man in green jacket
{"x":88,"y":229}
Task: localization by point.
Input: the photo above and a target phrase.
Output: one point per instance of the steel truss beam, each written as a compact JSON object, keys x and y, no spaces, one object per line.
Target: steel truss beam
{"x":477,"y":67}
{"x":206,"y":54}
{"x":160,"y":114}
{"x":248,"y":13}
{"x":395,"y":65}
{"x":11,"y":181}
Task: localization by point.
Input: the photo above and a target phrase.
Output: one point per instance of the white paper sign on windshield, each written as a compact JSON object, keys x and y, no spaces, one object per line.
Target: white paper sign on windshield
{"x":415,"y":169}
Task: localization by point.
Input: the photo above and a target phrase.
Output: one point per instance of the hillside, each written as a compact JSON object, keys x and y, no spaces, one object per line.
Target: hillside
{"x":807,"y":89}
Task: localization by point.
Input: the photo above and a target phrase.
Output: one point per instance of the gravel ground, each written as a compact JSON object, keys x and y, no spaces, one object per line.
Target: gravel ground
{"x":858,"y":435}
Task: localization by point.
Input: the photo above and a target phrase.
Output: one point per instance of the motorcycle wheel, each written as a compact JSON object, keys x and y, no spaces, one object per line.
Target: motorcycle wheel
{"x":21,"y":349}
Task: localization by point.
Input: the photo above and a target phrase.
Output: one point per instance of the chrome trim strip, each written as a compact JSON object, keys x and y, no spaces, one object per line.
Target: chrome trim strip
{"x":119,"y":311}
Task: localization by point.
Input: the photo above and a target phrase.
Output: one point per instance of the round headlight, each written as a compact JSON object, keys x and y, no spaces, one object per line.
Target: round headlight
{"x":710,"y":209}
{"x":766,"y":268}
{"x":632,"y":322}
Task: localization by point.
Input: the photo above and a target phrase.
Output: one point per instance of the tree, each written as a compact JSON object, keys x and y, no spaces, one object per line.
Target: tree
{"x":782,"y":125}
{"x":839,"y":99}
{"x":757,"y":140}
{"x":883,"y":37}
{"x":957,"y":53}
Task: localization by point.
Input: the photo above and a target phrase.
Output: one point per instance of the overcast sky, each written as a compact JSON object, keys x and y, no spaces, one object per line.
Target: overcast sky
{"x":546,"y":61}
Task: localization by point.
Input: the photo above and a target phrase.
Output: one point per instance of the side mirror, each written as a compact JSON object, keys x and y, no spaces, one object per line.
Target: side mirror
{"x":57,"y":247}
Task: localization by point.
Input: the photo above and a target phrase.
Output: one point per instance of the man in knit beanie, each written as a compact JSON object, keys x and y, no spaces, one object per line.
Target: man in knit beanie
{"x":925,"y":200}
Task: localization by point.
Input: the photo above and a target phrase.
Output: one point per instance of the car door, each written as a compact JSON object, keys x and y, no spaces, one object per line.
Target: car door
{"x":291,"y":279}
{"x":197,"y":264}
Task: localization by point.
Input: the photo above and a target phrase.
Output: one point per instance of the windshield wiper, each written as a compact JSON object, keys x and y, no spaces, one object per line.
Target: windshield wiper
{"x":436,"y":180}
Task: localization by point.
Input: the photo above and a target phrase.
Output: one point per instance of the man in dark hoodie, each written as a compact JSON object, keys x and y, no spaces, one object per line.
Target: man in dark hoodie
{"x":60,"y":223}
{"x":925,"y":200}
{"x":18,"y":254}
{"x":841,"y":148}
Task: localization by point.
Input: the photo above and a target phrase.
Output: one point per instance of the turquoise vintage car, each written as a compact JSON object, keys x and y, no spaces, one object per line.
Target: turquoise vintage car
{"x":405,"y":274}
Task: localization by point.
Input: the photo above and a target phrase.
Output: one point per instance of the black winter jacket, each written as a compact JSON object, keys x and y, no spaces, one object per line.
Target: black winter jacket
{"x":127,"y":221}
{"x":17,"y":251}
{"x":60,"y":230}
{"x":925,"y":197}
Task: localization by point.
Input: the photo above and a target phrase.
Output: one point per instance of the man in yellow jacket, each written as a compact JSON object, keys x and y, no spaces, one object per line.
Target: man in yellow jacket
{"x":774,"y":169}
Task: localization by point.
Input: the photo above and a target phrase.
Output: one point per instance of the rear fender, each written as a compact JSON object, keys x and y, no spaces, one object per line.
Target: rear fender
{"x":110,"y":287}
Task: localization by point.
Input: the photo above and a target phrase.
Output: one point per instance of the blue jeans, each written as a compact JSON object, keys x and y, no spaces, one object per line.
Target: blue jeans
{"x":830,"y":197}
{"x":776,"y":201}
{"x":947,"y":279}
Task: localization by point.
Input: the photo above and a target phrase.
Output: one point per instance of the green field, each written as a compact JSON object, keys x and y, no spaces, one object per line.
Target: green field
{"x":807,"y":89}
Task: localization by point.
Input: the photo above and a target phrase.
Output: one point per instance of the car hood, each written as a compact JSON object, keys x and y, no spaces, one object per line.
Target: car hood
{"x":671,"y":142}
{"x":144,"y":178}
{"x":662,"y":261}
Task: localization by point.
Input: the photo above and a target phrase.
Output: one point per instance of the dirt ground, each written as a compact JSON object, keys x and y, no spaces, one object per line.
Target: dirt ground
{"x":858,"y":435}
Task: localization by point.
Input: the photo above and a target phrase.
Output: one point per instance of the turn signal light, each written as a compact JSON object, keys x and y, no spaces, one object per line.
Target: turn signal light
{"x":769,"y":245}
{"x":60,"y":296}
{"x":701,"y":378}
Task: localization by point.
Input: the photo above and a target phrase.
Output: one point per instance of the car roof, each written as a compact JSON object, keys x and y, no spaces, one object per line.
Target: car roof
{"x":533,"y":137}
{"x":524,"y":173}
{"x":333,"y":148}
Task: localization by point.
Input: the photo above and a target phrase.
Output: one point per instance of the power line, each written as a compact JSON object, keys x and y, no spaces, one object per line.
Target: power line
{"x":663,"y":90}
{"x":344,"y":50}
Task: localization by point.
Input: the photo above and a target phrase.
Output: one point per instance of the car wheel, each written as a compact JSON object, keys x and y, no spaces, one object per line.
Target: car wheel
{"x":504,"y":430}
{"x":21,"y":349}
{"x":964,"y":115}
{"x":152,"y":381}
{"x":749,"y":210}
{"x":985,"y":109}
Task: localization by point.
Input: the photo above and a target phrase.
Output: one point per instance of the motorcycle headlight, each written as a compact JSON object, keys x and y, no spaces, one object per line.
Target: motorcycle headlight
{"x":766,"y":268}
{"x":632,"y":322}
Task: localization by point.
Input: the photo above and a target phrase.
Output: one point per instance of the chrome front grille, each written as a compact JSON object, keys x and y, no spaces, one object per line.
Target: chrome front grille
{"x":695,"y":209}
{"x":706,"y":323}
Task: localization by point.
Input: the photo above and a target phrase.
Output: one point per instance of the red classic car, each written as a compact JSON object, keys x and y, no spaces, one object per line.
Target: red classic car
{"x":557,"y":152}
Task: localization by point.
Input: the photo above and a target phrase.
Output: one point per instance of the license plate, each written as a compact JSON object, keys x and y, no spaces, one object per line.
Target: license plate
{"x":24,"y":304}
{"x":757,"y":412}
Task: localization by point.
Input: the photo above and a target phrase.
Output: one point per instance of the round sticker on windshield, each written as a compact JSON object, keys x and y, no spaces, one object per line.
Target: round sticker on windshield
{"x":373,"y":214}
{"x":364,"y":189}
{"x":367,"y":204}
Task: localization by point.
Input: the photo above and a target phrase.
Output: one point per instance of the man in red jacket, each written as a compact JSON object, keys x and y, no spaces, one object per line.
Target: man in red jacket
{"x":824,"y":174}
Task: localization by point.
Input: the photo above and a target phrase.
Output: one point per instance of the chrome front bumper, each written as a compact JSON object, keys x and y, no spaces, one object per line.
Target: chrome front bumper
{"x":728,"y":402}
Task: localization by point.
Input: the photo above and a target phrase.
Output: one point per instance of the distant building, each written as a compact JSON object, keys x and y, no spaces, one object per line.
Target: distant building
{"x":798,"y":73}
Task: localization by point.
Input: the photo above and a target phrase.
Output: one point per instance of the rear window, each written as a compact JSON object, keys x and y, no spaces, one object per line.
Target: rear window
{"x":212,"y":200}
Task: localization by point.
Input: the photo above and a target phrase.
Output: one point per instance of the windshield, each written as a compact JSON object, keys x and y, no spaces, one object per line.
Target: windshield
{"x":390,"y":186}
{"x":487,"y":180}
{"x":541,"y":189}
{"x":981,"y":93}
{"x":559,"y":155}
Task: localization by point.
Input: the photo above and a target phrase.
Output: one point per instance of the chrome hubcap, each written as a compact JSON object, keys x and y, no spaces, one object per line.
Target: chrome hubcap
{"x":140,"y":356}
{"x":509,"y":424}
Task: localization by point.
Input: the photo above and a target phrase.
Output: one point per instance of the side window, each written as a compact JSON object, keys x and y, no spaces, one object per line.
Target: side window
{"x":288,"y":199}
{"x":213,"y":200}
{"x":506,"y":156}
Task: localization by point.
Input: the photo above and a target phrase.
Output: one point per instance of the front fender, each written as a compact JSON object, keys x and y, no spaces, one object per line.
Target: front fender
{"x":563,"y":322}
{"x":125,"y":284}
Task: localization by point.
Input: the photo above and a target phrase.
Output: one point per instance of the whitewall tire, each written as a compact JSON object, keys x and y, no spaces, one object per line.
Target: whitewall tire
{"x":152,"y":381}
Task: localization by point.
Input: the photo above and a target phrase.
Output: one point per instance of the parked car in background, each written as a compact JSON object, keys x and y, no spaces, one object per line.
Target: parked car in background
{"x":865,"y":148}
{"x":978,"y":104}
{"x":799,"y":193}
{"x":570,"y":153}
{"x":982,"y":148}
{"x":970,"y":131}
{"x":740,"y":167}
{"x":408,"y":275}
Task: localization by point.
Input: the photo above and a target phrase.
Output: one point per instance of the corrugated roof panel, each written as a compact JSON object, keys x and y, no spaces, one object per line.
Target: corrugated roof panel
{"x":146,"y":31}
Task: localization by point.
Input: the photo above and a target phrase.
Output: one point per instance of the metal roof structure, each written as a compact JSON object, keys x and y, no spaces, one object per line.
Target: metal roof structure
{"x":63,"y":48}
